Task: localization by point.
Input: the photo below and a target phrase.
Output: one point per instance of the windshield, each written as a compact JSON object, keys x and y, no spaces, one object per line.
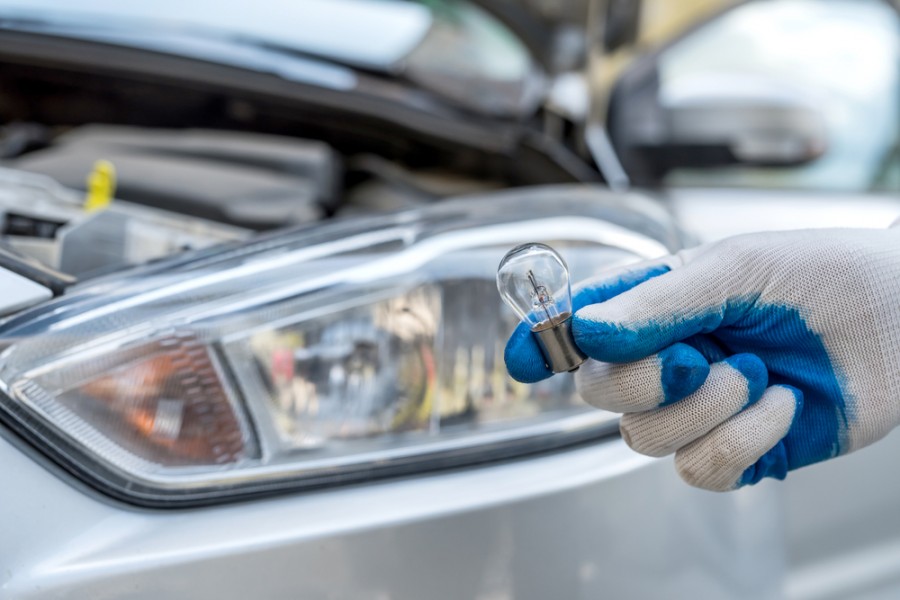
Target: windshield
{"x":453,"y":48}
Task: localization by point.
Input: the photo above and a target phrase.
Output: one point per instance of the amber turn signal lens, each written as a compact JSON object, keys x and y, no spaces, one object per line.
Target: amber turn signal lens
{"x":170,"y":408}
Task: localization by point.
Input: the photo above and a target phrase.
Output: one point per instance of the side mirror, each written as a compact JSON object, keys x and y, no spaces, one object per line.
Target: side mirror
{"x":760,"y":121}
{"x":790,"y":94}
{"x":707,"y":121}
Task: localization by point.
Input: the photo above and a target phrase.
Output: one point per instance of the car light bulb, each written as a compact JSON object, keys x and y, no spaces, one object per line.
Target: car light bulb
{"x":534,"y":281}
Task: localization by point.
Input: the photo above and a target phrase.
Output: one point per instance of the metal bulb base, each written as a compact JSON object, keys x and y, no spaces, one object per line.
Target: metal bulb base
{"x":557,"y":344}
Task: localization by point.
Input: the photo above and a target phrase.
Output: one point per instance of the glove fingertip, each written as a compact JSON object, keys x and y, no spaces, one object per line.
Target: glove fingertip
{"x":798,"y":400}
{"x":524,"y":360}
{"x":683,"y":370}
{"x":775,"y":463}
{"x":754,"y":370}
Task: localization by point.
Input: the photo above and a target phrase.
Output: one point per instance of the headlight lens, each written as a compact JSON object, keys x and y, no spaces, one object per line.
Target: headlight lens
{"x":356,"y":350}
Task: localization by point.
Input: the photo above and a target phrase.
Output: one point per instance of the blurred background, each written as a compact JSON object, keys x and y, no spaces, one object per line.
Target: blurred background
{"x":144,"y":145}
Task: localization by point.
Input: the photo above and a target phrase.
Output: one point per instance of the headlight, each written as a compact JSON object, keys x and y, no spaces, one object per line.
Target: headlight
{"x":354,"y":350}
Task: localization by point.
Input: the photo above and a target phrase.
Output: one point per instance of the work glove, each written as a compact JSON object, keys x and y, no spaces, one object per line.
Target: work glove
{"x":747,"y":358}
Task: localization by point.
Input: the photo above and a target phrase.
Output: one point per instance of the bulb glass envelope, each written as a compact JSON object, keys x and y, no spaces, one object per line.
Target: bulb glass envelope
{"x":533,"y":279}
{"x":328,"y":355}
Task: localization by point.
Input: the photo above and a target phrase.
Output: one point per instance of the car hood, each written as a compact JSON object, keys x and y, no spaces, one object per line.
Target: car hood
{"x":440,"y":48}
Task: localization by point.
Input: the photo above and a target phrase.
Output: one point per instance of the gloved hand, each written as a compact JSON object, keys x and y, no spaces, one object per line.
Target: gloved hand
{"x":747,"y":358}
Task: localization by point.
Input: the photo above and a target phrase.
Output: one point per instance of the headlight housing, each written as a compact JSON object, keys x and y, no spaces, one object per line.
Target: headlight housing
{"x":354,"y":350}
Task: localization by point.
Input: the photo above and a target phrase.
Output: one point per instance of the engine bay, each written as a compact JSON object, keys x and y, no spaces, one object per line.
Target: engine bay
{"x":202,"y":153}
{"x":176,"y":190}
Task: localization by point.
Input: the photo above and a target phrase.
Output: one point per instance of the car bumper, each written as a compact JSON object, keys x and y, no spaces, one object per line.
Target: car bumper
{"x":595,"y":521}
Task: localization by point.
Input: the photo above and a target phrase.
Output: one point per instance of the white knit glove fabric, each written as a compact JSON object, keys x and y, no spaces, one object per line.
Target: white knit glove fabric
{"x":747,"y":358}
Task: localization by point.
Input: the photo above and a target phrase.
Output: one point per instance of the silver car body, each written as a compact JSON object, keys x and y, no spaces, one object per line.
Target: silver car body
{"x":589,"y":522}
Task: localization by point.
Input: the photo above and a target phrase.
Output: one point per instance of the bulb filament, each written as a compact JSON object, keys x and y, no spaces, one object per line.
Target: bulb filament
{"x":542,"y":297}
